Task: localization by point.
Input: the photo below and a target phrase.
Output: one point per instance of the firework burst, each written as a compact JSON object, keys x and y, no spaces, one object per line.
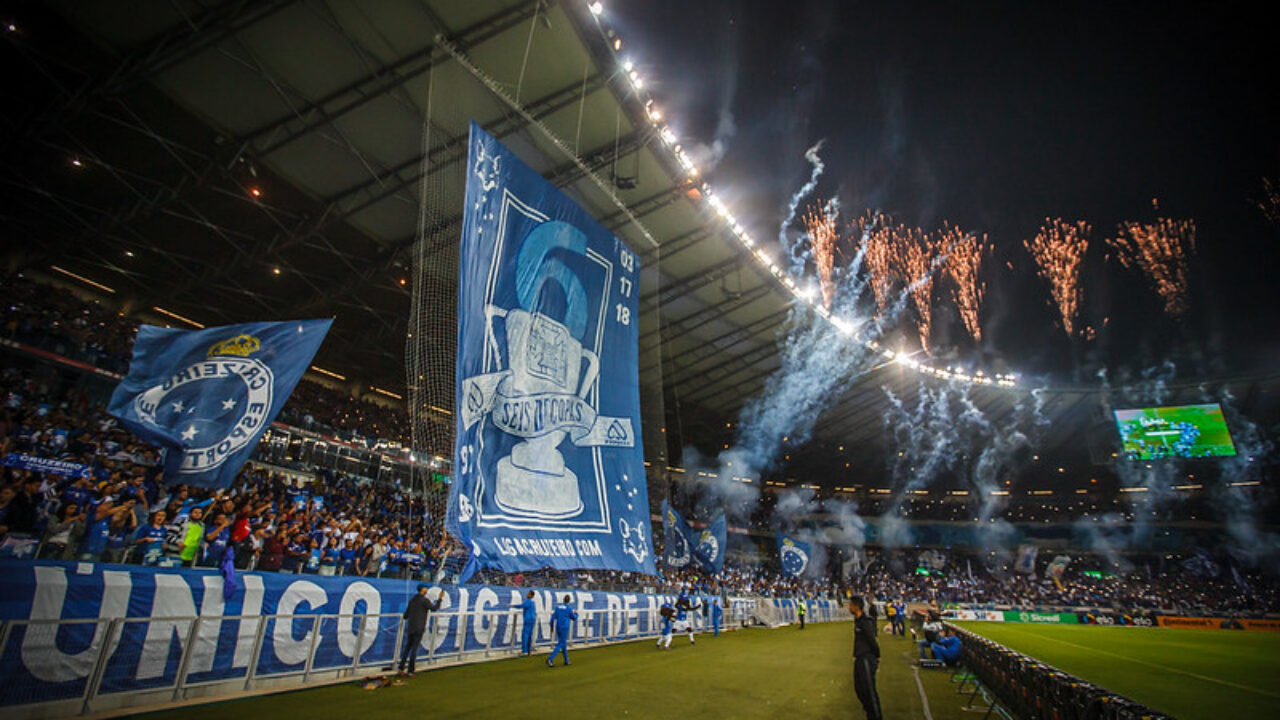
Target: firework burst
{"x":821,"y":228}
{"x":1059,"y":250}
{"x":917,"y":253}
{"x":1270,"y":205}
{"x":879,"y":252}
{"x":1160,"y":250}
{"x":964,"y":264}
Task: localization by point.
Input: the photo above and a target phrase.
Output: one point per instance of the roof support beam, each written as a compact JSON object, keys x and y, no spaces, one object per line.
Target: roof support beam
{"x":561,"y":176}
{"x":267,"y":139}
{"x":693,"y":282}
{"x":182,"y":41}
{"x":377,"y":189}
{"x":739,"y":335}
{"x":701,"y":318}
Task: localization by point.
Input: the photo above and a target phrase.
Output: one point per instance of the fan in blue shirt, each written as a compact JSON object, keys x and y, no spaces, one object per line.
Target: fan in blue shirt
{"x":561,"y":619}
{"x":668,"y":614}
{"x":529,"y":620}
{"x":683,"y":606}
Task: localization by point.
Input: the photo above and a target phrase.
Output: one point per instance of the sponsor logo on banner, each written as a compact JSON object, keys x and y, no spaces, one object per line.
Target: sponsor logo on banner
{"x":979,"y":615}
{"x":1176,"y":621}
{"x":1219,"y":623}
{"x":1037,"y":617}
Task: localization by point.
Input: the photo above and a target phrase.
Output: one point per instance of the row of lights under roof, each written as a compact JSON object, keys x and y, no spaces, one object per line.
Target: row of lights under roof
{"x":808,"y":295}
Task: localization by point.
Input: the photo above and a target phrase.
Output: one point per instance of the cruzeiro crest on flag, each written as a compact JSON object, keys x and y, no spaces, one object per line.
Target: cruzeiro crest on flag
{"x":216,"y":405}
{"x":793,"y":557}
{"x":206,"y":396}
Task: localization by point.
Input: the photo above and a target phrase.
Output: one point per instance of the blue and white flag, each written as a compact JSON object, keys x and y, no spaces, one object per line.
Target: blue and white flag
{"x":1026,"y":562}
{"x":793,"y":555}
{"x":206,"y":396}
{"x":548,"y":465}
{"x":677,"y":545}
{"x":712,"y":541}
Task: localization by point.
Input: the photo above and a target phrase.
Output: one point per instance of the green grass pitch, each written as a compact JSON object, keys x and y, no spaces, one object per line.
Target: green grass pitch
{"x":1189,"y":674}
{"x":754,"y":673}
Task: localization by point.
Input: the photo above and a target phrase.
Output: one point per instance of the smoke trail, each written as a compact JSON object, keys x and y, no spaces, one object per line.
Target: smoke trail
{"x":796,"y":251}
{"x":1107,"y":536}
{"x":725,"y":483}
{"x":1149,"y":485}
{"x":1238,"y":496}
{"x":1005,"y":454}
{"x":845,"y":527}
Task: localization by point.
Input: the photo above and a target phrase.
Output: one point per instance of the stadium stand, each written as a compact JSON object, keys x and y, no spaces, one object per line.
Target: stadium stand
{"x":345,"y":524}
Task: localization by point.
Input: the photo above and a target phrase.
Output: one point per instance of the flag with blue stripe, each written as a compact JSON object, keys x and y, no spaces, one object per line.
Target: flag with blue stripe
{"x":206,"y":396}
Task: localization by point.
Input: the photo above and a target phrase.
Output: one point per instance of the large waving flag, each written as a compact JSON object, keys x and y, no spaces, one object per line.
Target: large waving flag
{"x":712,"y":541}
{"x":677,"y":548}
{"x":206,"y":396}
{"x":548,"y":460}
{"x":793,"y":555}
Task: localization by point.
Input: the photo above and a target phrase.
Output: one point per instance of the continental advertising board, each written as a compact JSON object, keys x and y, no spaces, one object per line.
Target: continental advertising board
{"x":1219,"y":623}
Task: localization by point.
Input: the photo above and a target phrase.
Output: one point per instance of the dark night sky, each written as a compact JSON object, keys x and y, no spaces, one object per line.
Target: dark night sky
{"x":994,"y":116}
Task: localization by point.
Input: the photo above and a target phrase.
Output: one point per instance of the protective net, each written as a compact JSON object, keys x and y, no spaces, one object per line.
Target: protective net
{"x":541,"y":131}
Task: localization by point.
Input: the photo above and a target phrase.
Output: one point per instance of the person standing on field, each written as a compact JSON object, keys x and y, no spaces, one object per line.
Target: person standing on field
{"x":416,"y":615}
{"x":528,"y":621}
{"x":866,"y":659}
{"x":562,"y":619}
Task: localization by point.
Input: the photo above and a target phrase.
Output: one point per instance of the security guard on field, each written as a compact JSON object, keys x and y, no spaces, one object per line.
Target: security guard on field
{"x":866,"y":658}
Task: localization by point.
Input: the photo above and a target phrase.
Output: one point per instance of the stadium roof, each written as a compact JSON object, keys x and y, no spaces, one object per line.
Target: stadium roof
{"x":226,"y":161}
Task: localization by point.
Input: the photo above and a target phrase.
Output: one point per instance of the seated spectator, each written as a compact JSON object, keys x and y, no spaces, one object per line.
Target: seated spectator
{"x":932,"y":633}
{"x":947,"y":649}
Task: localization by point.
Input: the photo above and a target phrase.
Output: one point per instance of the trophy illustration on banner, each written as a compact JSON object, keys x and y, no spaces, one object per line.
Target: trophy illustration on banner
{"x":545,"y":391}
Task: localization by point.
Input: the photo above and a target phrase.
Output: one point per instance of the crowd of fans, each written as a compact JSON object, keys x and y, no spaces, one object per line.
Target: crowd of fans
{"x":56,"y":320}
{"x":1161,"y":582}
{"x":334,"y":412}
{"x":108,"y":502}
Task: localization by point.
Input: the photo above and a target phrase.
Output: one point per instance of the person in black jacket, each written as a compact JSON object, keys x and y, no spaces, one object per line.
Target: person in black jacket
{"x":866,"y":658}
{"x":416,"y":615}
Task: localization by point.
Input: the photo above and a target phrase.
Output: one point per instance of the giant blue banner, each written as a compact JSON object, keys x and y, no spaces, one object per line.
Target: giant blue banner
{"x":548,"y":464}
{"x":677,"y":549}
{"x":206,"y":396}
{"x":275,"y":624}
